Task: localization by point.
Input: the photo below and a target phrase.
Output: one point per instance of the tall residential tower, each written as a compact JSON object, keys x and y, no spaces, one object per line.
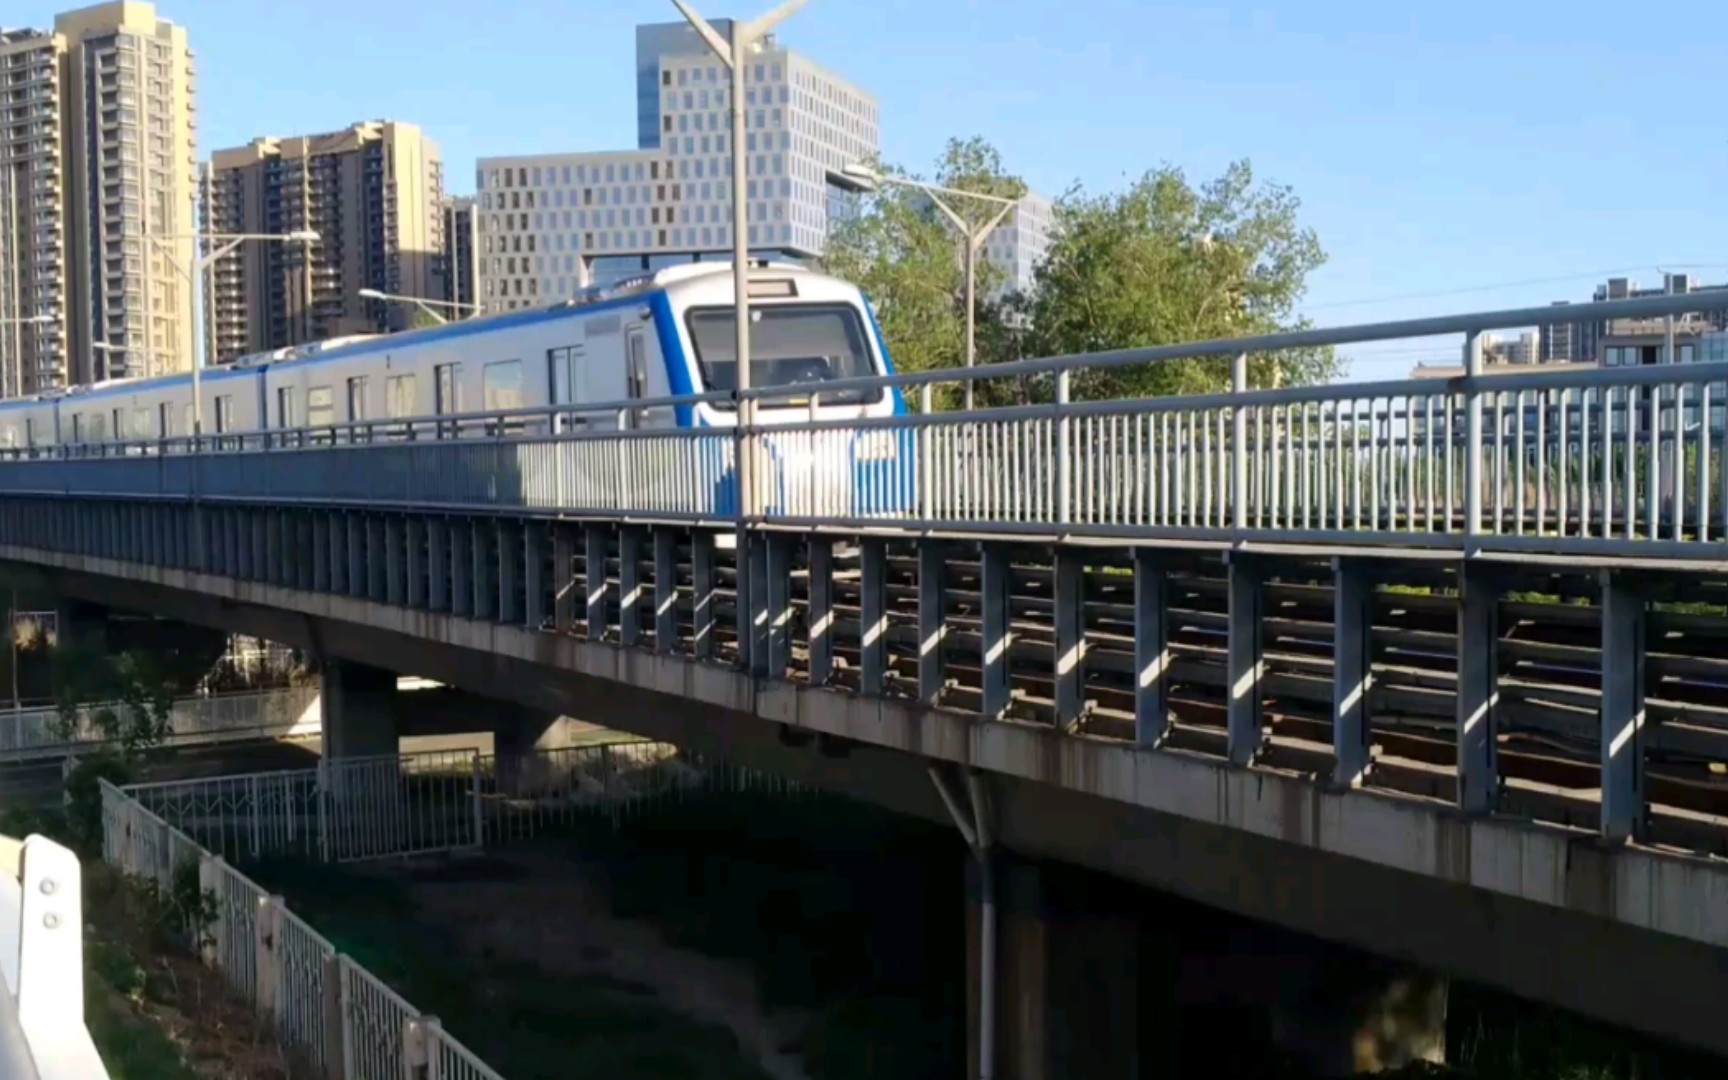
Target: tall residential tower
{"x":97,"y":200}
{"x":374,"y":195}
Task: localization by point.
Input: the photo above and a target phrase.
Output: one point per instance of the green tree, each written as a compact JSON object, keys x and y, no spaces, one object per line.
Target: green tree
{"x":1165,"y":262}
{"x":907,"y":256}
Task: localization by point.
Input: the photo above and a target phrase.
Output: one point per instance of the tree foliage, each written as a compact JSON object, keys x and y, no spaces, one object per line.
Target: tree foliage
{"x":1166,"y":262}
{"x":903,"y":252}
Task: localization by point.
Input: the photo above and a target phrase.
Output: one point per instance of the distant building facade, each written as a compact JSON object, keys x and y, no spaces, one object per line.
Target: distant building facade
{"x":373,"y":193}
{"x":461,"y":253}
{"x":96,"y":154}
{"x":1020,"y":244}
{"x":551,"y":223}
{"x":1587,"y":341}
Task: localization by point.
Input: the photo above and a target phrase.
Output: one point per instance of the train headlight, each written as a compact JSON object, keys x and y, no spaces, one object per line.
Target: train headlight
{"x":875,"y":445}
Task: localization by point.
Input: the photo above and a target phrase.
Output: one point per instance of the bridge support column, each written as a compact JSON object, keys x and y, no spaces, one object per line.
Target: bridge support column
{"x":359,"y":710}
{"x":1352,"y":669}
{"x":1478,"y":689}
{"x":1624,"y":814}
{"x":521,"y":738}
{"x":1067,"y":977}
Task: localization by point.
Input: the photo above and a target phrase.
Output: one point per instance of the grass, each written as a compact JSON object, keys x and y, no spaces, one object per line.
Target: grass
{"x":519,"y":1019}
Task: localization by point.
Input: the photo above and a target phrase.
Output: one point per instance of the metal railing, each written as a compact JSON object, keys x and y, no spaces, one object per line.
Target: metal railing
{"x":42,"y":732}
{"x":1582,"y":461}
{"x":325,"y":1009}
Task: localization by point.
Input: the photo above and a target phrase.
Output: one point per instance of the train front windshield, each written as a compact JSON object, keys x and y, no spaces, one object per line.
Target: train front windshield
{"x":797,"y":347}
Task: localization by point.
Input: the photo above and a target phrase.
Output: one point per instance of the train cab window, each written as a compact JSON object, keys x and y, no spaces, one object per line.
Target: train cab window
{"x":795,"y":346}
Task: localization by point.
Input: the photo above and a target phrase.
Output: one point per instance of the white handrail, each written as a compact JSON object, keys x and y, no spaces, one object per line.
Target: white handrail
{"x":42,"y":1032}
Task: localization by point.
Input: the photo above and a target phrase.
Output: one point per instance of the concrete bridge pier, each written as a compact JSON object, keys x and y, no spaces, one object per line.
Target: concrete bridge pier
{"x":1096,"y":978}
{"x":359,"y":710}
{"x":520,"y":737}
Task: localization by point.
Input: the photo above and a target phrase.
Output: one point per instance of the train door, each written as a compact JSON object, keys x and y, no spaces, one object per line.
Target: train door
{"x":635,"y":375}
{"x":447,"y":396}
{"x":566,"y":375}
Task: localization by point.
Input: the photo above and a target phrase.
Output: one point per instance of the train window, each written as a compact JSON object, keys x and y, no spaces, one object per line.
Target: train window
{"x":503,"y":385}
{"x":796,"y":346}
{"x":29,"y":431}
{"x":98,"y":428}
{"x":77,"y":428}
{"x":224,"y":413}
{"x":141,"y":423}
{"x":165,"y":418}
{"x":357,"y":398}
{"x":285,"y":407}
{"x":449,"y":388}
{"x":320,"y":407}
{"x":119,"y":425}
{"x":399,"y":396}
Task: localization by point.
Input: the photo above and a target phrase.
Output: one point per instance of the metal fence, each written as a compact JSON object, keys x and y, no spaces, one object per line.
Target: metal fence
{"x":326,"y":1009}
{"x":1569,"y":459}
{"x":451,"y":800}
{"x":44,"y":732}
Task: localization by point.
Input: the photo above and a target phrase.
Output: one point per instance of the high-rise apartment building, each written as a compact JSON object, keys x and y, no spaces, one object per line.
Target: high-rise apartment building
{"x":374,"y":195}
{"x":1588,"y":342}
{"x":33,"y":267}
{"x":552,"y":223}
{"x":97,"y":200}
{"x":461,"y":253}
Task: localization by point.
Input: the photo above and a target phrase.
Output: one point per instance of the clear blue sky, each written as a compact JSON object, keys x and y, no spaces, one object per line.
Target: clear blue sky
{"x":1435,"y":145}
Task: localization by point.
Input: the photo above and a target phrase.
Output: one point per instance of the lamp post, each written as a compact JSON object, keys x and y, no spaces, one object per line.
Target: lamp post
{"x":733,"y":53}
{"x":972,"y":236}
{"x":420,"y":302}
{"x":220,"y":245}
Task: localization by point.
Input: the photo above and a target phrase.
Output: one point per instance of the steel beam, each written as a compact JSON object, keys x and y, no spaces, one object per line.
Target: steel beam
{"x":1478,"y":690}
{"x":629,"y":586}
{"x":594,"y":581}
{"x":1352,"y":669}
{"x":873,"y":616}
{"x":932,"y":621}
{"x":356,"y":554}
{"x":777,"y":587}
{"x":564,"y":584}
{"x":461,"y":567}
{"x":820,"y":613}
{"x":702,"y":592}
{"x":507,"y":544}
{"x":756,"y":580}
{"x":1246,"y":659}
{"x":438,"y":564}
{"x":1624,"y":813}
{"x":1069,"y":659}
{"x":534,"y":574}
{"x":1151,"y":648}
{"x":414,"y":535}
{"x":480,"y":537}
{"x":377,"y":560}
{"x":665,"y":590}
{"x":997,"y":689}
{"x":395,"y":561}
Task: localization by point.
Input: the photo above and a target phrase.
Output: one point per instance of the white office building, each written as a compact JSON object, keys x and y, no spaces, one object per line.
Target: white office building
{"x":551,"y":223}
{"x":1020,"y":243}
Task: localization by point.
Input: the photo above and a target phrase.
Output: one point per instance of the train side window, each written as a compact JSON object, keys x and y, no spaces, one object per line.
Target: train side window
{"x":357,"y":399}
{"x":119,"y":425}
{"x":399,"y":396}
{"x":285,"y":407}
{"x":224,"y":414}
{"x":98,"y":428}
{"x":447,"y":395}
{"x":165,"y":419}
{"x":564,"y":376}
{"x":78,"y":429}
{"x":502,"y":386}
{"x":141,"y":423}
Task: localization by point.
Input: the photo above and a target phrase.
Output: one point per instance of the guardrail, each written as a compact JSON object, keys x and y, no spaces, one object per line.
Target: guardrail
{"x":41,"y":732}
{"x":42,"y":1032}
{"x":326,"y":1009}
{"x":1630,"y":460}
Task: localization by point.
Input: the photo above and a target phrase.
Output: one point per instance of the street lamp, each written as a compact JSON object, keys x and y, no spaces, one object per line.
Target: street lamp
{"x":229,"y":242}
{"x":733,"y":54}
{"x":972,"y":236}
{"x":418,"y":301}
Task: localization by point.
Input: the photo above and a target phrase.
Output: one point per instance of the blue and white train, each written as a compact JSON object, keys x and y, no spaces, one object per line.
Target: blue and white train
{"x":666,"y":335}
